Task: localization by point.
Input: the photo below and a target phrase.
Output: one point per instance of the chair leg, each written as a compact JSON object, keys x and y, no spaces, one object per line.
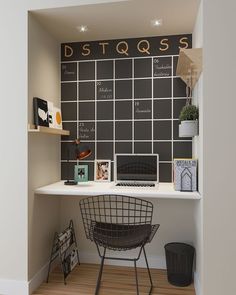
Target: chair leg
{"x":149,"y":273}
{"x":100,"y":273}
{"x":136,"y":276}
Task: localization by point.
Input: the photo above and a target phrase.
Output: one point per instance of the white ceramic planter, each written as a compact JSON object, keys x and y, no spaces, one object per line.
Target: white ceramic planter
{"x":188,"y":128}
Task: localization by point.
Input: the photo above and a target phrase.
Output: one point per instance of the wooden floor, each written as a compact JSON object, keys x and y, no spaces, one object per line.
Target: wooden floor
{"x":116,"y":280}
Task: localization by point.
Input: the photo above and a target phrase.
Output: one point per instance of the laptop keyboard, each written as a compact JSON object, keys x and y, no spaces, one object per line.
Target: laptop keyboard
{"x":135,"y":184}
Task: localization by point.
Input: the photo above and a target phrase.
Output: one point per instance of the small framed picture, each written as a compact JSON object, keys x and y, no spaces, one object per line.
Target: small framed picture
{"x":185,"y":175}
{"x":102,"y":170}
{"x":81,"y":173}
{"x":57,"y":118}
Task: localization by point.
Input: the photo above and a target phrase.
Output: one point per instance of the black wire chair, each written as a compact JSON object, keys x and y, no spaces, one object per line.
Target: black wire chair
{"x":118,"y":223}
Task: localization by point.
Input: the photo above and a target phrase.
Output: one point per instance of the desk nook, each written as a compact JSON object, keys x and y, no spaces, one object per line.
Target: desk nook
{"x":126,"y":171}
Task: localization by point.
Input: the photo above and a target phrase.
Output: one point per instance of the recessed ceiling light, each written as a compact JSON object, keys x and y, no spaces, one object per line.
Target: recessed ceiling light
{"x":156,"y":22}
{"x":82,"y":28}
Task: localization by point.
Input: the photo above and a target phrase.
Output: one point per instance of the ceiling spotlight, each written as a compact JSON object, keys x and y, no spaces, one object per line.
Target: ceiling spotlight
{"x":82,"y":28}
{"x":156,"y":22}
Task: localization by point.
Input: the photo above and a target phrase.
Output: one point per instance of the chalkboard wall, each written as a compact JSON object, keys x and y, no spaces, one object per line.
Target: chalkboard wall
{"x":123,"y":96}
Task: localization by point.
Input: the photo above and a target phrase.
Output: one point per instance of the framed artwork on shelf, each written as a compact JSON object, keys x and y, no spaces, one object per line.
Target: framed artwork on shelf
{"x":81,"y":173}
{"x":185,"y":174}
{"x":40,"y":107}
{"x":50,"y":114}
{"x":57,"y":118}
{"x":102,"y":170}
{"x":46,"y":114}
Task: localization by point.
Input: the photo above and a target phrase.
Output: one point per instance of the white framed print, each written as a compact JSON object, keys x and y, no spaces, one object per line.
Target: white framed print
{"x":57,"y":118}
{"x":102,"y":170}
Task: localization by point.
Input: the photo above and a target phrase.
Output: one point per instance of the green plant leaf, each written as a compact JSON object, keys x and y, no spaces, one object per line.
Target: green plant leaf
{"x":189,"y":113}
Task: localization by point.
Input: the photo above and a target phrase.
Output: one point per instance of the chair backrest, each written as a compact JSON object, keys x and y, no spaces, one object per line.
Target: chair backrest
{"x":114,"y":209}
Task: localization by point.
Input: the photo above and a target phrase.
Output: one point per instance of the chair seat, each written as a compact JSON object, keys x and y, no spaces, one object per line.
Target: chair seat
{"x":120,"y":236}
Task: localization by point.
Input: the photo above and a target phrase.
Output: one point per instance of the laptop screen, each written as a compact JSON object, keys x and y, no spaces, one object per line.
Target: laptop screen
{"x":136,"y":167}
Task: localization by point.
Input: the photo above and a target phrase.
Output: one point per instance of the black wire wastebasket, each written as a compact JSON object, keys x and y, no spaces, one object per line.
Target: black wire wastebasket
{"x":179,"y":262}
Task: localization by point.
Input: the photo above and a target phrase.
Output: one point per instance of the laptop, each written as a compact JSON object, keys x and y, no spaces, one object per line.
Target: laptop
{"x":141,"y":170}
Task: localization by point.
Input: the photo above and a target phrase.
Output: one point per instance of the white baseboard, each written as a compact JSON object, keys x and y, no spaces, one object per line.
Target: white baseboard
{"x":153,"y":260}
{"x":197,"y":284}
{"x":13,"y":287}
{"x":38,"y":279}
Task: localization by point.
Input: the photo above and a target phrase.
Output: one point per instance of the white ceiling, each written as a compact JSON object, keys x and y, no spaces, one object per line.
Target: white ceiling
{"x":117,"y":20}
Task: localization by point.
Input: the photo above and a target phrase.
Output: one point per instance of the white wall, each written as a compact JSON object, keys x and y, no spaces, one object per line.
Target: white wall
{"x":44,"y":150}
{"x":13,"y":156}
{"x":219,"y":146}
{"x":198,"y":153}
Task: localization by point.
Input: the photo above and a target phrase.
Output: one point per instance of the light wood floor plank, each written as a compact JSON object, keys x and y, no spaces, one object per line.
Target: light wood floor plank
{"x":116,"y":280}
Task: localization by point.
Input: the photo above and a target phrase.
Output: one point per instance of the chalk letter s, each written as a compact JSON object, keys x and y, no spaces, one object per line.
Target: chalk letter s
{"x":164,"y":42}
{"x":85,"y":48}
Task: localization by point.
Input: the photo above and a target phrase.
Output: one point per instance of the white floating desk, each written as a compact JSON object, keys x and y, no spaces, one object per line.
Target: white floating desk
{"x":91,"y":188}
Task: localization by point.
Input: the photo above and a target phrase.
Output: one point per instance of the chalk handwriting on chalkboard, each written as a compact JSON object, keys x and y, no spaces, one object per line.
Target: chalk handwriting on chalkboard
{"x":104,"y":90}
{"x":86,"y":130}
{"x":142,"y":110}
{"x":161,"y":67}
{"x":137,"y":110}
{"x":66,"y":71}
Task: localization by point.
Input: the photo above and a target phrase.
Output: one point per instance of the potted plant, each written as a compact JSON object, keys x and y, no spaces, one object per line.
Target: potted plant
{"x":189,"y":121}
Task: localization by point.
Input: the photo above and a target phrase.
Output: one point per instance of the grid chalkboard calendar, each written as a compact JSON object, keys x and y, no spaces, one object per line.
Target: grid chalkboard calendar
{"x":123,"y":96}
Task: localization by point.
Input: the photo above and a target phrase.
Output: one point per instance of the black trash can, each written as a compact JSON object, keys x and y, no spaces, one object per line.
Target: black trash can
{"x":179,"y":261}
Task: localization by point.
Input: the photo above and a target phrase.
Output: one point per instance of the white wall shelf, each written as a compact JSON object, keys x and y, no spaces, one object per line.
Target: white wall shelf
{"x":189,"y":65}
{"x":47,"y":130}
